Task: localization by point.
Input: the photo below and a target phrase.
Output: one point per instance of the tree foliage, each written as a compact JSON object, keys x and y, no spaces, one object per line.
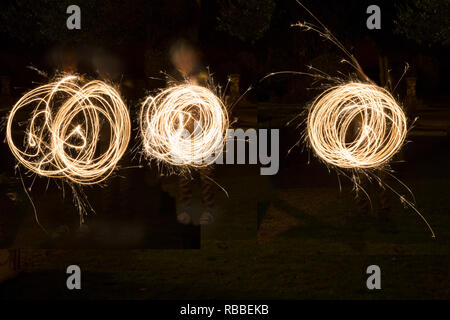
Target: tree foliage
{"x":426,"y":22}
{"x":246,"y":20}
{"x":42,"y":22}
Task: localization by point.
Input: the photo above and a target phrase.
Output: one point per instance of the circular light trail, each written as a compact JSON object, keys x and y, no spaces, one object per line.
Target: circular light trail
{"x":356,"y":125}
{"x":74,"y":132}
{"x":184,"y":125}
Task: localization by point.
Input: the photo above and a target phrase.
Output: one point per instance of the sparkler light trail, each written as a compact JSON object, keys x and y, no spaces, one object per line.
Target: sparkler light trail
{"x":380,"y":124}
{"x":359,"y":126}
{"x":184,"y":125}
{"x":63,"y":136}
{"x":355,"y":127}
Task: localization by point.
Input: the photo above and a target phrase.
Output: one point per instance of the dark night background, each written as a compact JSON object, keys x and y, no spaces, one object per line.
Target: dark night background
{"x":292,"y":235}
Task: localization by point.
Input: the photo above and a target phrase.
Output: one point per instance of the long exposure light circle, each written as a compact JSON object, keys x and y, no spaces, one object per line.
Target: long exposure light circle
{"x":356,"y":125}
{"x":184,"y":125}
{"x":73,"y":132}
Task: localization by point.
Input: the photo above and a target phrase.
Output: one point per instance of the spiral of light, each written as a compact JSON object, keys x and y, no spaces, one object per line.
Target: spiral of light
{"x":184,"y":125}
{"x":74,"y":132}
{"x":356,"y":125}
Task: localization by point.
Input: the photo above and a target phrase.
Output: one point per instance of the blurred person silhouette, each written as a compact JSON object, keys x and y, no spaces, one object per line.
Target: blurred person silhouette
{"x":370,"y":192}
{"x":185,"y":58}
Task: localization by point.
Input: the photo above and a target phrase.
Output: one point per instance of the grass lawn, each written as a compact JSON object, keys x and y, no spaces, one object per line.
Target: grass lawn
{"x":306,"y":246}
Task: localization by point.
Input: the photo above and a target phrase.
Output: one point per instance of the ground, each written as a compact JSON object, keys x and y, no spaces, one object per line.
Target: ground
{"x":305,"y":248}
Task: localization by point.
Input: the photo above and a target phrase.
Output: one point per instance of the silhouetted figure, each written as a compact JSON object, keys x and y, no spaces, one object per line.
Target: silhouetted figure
{"x":185,"y":59}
